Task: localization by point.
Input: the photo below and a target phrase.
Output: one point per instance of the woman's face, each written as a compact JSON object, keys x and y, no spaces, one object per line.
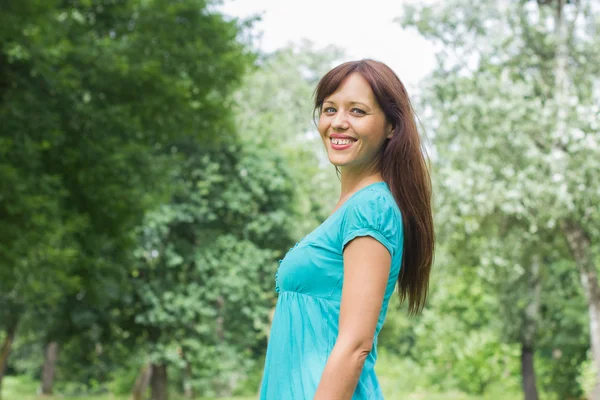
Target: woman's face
{"x":352,"y":125}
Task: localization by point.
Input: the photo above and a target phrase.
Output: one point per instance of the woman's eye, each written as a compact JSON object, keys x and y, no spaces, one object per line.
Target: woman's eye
{"x":358,"y":111}
{"x":329,"y":110}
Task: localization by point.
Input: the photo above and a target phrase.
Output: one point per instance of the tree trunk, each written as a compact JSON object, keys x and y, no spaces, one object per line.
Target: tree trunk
{"x":11,"y":330}
{"x":141,"y":383}
{"x":577,"y":238}
{"x":188,"y":389}
{"x":158,"y":382}
{"x":528,"y":373}
{"x":529,"y":332}
{"x":50,"y":357}
{"x":579,"y":243}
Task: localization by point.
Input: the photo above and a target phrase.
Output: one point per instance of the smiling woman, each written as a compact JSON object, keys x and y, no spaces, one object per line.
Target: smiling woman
{"x":335,"y":284}
{"x":352,"y":115}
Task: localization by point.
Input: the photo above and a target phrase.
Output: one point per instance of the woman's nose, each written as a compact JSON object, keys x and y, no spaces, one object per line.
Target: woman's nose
{"x":340,"y":121}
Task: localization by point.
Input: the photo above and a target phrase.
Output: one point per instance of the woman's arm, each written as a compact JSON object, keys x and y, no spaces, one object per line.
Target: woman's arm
{"x":366,"y":270}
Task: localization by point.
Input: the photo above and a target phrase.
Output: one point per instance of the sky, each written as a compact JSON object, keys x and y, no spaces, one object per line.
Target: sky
{"x":362,"y":28}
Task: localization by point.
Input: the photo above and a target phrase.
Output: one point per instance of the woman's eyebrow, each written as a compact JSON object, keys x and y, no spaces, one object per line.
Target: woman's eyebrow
{"x":359,"y":103}
{"x":351,"y":103}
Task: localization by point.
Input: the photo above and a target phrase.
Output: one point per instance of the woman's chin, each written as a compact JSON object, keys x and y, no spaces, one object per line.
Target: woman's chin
{"x":338,"y":161}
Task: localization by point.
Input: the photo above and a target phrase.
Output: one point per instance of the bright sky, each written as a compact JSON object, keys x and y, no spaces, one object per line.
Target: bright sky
{"x":363,"y":28}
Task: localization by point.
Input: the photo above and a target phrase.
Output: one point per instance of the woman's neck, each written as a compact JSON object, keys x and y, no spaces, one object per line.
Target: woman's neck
{"x":353,"y":182}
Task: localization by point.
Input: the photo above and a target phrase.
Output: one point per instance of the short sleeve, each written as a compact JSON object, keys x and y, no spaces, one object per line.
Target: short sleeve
{"x":373,"y":215}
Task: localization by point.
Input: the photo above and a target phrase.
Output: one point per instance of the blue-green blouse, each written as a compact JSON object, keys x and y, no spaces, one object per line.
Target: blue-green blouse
{"x":309,"y":282}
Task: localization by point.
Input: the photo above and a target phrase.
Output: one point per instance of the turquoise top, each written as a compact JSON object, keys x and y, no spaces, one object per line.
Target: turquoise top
{"x":309,"y":282}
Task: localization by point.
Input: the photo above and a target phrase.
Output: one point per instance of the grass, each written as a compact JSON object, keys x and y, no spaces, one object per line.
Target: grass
{"x":403,"y":379}
{"x":22,"y":388}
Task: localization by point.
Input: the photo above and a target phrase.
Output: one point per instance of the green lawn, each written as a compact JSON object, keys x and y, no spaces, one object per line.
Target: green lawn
{"x":21,"y":388}
{"x":25,"y":389}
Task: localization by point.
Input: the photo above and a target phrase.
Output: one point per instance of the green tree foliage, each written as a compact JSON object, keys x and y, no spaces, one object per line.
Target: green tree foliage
{"x":204,"y":279}
{"x":511,"y":175}
{"x":94,"y":94}
{"x":207,"y":260}
{"x":275,"y":109}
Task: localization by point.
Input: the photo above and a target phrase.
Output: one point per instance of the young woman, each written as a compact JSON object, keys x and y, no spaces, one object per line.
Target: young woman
{"x":335,"y":284}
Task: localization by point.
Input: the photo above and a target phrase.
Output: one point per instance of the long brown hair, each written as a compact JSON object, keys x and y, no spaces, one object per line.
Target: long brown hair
{"x":402,"y":165}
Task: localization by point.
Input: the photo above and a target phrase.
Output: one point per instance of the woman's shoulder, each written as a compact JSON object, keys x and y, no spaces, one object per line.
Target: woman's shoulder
{"x":375,"y":198}
{"x":373,"y":209}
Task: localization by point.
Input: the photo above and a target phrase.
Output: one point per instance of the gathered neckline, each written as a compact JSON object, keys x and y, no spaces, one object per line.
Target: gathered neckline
{"x":327,"y":220}
{"x":354,"y":194}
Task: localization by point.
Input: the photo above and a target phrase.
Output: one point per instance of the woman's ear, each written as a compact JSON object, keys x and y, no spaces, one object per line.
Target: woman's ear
{"x":390,"y":132}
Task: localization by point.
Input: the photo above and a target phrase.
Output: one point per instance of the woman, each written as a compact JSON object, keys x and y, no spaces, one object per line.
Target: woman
{"x":335,"y":284}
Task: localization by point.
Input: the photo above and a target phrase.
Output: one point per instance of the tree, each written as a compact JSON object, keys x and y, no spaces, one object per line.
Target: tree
{"x":510,"y":146}
{"x":206,"y":264}
{"x":93,"y":95}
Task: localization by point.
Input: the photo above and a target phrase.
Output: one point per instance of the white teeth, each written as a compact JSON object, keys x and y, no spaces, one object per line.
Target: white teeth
{"x":341,"y":141}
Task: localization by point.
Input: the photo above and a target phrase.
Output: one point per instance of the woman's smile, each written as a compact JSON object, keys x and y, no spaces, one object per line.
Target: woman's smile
{"x":341,"y":142}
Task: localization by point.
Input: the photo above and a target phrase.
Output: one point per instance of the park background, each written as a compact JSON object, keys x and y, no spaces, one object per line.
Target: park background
{"x":158,"y":157}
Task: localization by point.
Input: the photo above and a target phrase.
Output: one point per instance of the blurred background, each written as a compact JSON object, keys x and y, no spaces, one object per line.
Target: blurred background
{"x":158,"y":157}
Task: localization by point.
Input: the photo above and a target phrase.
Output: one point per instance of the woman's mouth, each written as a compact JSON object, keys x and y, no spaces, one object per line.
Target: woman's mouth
{"x":341,"y":143}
